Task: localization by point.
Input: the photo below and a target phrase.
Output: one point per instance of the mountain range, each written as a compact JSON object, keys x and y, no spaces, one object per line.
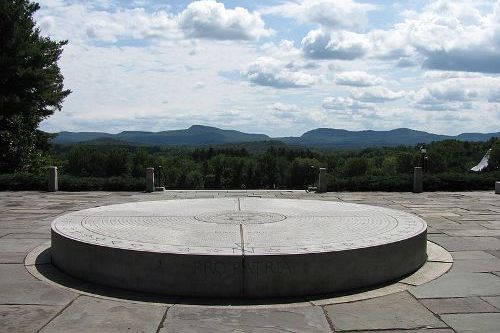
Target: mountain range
{"x":320,"y":137}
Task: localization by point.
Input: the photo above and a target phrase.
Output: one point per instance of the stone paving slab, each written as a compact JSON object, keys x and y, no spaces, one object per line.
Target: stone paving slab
{"x":27,"y":235}
{"x":400,"y":311}
{"x":473,"y":322}
{"x":477,"y":265}
{"x":19,"y":245}
{"x":88,"y":314}
{"x":423,"y":330}
{"x":493,"y":300}
{"x":466,"y":243}
{"x":26,"y":318}
{"x":17,"y":286}
{"x":495,"y":253}
{"x":458,"y":305}
{"x":12,"y":257}
{"x":459,"y":285}
{"x":470,"y":255}
{"x":472,"y":233}
{"x":203,"y":319}
{"x":465,"y":223}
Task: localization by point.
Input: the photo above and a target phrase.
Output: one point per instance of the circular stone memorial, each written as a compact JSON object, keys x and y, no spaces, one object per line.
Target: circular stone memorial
{"x":239,"y":247}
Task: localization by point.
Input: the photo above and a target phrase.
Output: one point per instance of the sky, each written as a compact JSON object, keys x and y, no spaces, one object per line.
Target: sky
{"x":277,"y":67}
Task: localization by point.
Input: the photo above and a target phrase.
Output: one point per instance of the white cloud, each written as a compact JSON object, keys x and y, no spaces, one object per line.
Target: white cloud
{"x":328,"y":13}
{"x":457,"y":93}
{"x":210,"y":19}
{"x":282,"y":107}
{"x":377,"y":95}
{"x":357,"y":79}
{"x":206,"y":19}
{"x":284,"y":49}
{"x":445,"y":35}
{"x":343,"y":45}
{"x":287,"y":111}
{"x":199,"y":85}
{"x":494,"y":95}
{"x":344,"y":104}
{"x":166,"y":55}
{"x":450,"y":75}
{"x":266,"y":71}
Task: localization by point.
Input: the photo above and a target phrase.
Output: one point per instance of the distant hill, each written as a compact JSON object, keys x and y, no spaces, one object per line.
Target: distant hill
{"x":368,"y":138}
{"x":76,"y":137}
{"x":321,"y":137}
{"x":194,"y":135}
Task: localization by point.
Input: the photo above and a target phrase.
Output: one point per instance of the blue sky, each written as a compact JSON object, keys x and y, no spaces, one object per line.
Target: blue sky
{"x":277,"y":67}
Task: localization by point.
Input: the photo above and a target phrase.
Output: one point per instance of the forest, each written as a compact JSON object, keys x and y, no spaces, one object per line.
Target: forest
{"x":261,"y":165}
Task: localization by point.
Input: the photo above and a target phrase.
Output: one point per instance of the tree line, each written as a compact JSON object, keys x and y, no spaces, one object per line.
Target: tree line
{"x":277,"y":166}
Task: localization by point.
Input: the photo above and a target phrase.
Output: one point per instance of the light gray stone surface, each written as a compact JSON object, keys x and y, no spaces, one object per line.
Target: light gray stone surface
{"x":9,"y":245}
{"x":477,"y":265}
{"x":239,"y":247}
{"x":466,"y":243}
{"x":17,"y":286}
{"x":400,"y":311}
{"x":32,"y":212}
{"x":459,"y":285}
{"x":493,"y":300}
{"x":497,"y":187}
{"x":473,"y":322}
{"x":12,"y":257}
{"x":471,"y":255}
{"x":88,"y":314}
{"x":26,"y":318}
{"x":423,"y":330}
{"x":214,"y":226}
{"x":203,"y":319}
{"x":458,"y":305}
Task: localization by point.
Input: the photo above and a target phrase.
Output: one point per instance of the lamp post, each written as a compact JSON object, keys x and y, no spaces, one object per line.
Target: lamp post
{"x":321,"y":174}
{"x":423,"y":158}
{"x":159,"y":175}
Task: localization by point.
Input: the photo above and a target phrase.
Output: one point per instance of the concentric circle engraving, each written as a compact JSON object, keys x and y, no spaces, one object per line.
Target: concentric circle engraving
{"x":240,"y":217}
{"x":239,"y":247}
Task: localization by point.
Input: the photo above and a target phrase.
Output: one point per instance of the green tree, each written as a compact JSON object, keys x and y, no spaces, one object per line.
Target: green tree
{"x":31,"y":85}
{"x":494,"y":162}
{"x":84,"y":161}
{"x":117,"y":162}
{"x":304,"y":172}
{"x":390,"y":165}
{"x":405,"y":162}
{"x":194,"y":180}
{"x":356,"y":166}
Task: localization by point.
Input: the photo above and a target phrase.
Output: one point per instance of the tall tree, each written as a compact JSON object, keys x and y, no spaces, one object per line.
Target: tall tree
{"x":31,"y":85}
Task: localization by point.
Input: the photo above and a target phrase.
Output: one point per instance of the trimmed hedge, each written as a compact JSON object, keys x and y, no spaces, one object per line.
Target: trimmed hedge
{"x":461,"y":181}
{"x":25,"y":181}
{"x":404,"y":183}
{"x":22,"y":181}
{"x":397,"y":183}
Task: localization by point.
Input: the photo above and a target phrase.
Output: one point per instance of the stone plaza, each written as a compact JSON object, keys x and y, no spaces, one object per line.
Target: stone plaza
{"x":457,"y":293}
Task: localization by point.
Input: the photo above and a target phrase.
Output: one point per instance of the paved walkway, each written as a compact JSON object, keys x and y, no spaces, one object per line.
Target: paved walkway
{"x":466,"y":299}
